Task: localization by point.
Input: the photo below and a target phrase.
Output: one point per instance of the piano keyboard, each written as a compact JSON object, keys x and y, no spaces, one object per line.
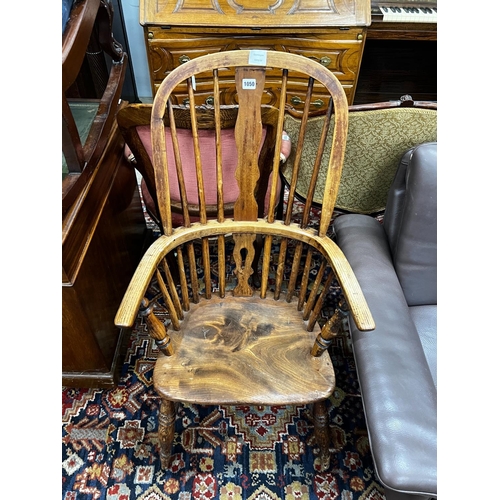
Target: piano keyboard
{"x":408,"y":14}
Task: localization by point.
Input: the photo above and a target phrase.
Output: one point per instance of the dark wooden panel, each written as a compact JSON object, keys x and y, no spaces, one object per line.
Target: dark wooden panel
{"x":107,"y":257}
{"x":392,"y":68}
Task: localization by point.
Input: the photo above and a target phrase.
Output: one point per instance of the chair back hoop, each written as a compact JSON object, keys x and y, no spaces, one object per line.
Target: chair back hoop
{"x":251,"y":68}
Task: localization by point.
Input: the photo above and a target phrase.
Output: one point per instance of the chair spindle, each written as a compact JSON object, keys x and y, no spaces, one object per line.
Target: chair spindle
{"x":313,"y":317}
{"x":279,"y":137}
{"x":300,"y":148}
{"x":183,"y":279}
{"x":197,"y":153}
{"x":173,"y":289}
{"x":314,"y":291}
{"x":305,"y":279}
{"x":218,"y":148}
{"x":178,"y":165}
{"x":168,"y":301}
{"x":295,"y":271}
{"x":317,"y":165}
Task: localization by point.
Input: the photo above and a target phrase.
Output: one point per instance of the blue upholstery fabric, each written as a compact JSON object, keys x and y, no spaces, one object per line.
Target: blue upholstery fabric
{"x":66,"y":10}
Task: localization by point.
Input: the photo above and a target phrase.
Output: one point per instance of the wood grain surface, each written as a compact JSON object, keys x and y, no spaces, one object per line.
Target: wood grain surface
{"x":244,"y":350}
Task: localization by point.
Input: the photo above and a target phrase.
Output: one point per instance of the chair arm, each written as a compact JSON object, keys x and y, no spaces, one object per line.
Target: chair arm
{"x":129,"y":307}
{"x":399,"y":395}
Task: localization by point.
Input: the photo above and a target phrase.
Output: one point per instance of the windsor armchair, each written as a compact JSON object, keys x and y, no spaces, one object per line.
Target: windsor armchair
{"x":232,"y":343}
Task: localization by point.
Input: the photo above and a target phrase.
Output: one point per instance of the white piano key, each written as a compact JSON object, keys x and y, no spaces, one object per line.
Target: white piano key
{"x":408,"y":14}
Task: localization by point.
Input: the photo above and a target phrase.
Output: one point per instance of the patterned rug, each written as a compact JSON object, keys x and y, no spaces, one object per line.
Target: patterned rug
{"x":111,"y":451}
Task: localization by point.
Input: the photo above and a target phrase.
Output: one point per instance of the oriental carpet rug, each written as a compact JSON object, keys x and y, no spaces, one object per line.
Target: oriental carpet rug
{"x":110,"y":442}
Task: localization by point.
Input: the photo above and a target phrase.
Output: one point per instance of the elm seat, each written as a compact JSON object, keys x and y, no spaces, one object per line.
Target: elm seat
{"x":396,"y":265}
{"x":222,"y":365}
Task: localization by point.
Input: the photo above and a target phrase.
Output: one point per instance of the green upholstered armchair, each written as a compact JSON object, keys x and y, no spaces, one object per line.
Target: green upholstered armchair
{"x":379,"y":134}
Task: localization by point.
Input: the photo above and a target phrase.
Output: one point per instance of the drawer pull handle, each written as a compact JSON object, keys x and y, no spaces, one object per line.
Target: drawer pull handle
{"x":209,"y":101}
{"x":184,"y":59}
{"x":325,"y":60}
{"x":318,"y":103}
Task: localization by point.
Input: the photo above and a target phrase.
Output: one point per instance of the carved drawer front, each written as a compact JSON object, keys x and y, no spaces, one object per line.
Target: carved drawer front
{"x":341,"y":55}
{"x":339,"y":50}
{"x":296,"y":96}
{"x":166,"y":52}
{"x":204,"y":92}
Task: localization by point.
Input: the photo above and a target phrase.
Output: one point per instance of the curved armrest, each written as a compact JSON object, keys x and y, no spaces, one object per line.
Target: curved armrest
{"x":137,"y":287}
{"x":399,"y":395}
{"x":129,"y":307}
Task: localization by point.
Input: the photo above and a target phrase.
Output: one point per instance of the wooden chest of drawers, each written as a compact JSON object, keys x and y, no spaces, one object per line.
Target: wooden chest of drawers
{"x":330,"y":32}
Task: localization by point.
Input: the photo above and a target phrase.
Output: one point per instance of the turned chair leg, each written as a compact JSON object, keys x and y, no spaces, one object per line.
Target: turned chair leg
{"x":321,"y":433}
{"x":166,"y":427}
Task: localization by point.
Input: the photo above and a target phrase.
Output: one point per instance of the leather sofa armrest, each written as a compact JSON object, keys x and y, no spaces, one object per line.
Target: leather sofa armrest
{"x":397,"y":388}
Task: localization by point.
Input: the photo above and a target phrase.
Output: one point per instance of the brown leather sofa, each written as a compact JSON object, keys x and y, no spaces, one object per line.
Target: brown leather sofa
{"x":395,"y":263}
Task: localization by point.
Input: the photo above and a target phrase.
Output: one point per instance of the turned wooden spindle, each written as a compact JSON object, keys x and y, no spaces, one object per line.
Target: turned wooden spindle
{"x":156,"y":329}
{"x":329,"y":330}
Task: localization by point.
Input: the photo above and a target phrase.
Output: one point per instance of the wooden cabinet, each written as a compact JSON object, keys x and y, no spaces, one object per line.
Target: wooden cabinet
{"x":103,"y":238}
{"x":331,"y":32}
{"x":103,"y":226}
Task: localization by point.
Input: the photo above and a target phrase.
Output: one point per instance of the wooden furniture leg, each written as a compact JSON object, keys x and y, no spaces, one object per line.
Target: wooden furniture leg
{"x":166,"y":429}
{"x":322,"y":434}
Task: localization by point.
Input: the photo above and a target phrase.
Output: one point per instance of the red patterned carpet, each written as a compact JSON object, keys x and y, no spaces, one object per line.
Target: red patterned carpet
{"x":110,"y":442}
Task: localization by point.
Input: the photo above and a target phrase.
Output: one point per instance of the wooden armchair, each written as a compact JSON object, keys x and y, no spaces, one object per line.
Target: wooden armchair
{"x":238,"y":345}
{"x":379,"y":135}
{"x":89,"y":27}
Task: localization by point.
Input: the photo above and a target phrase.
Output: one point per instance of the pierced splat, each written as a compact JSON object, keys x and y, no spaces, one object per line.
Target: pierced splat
{"x":244,"y":253}
{"x":248,"y":136}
